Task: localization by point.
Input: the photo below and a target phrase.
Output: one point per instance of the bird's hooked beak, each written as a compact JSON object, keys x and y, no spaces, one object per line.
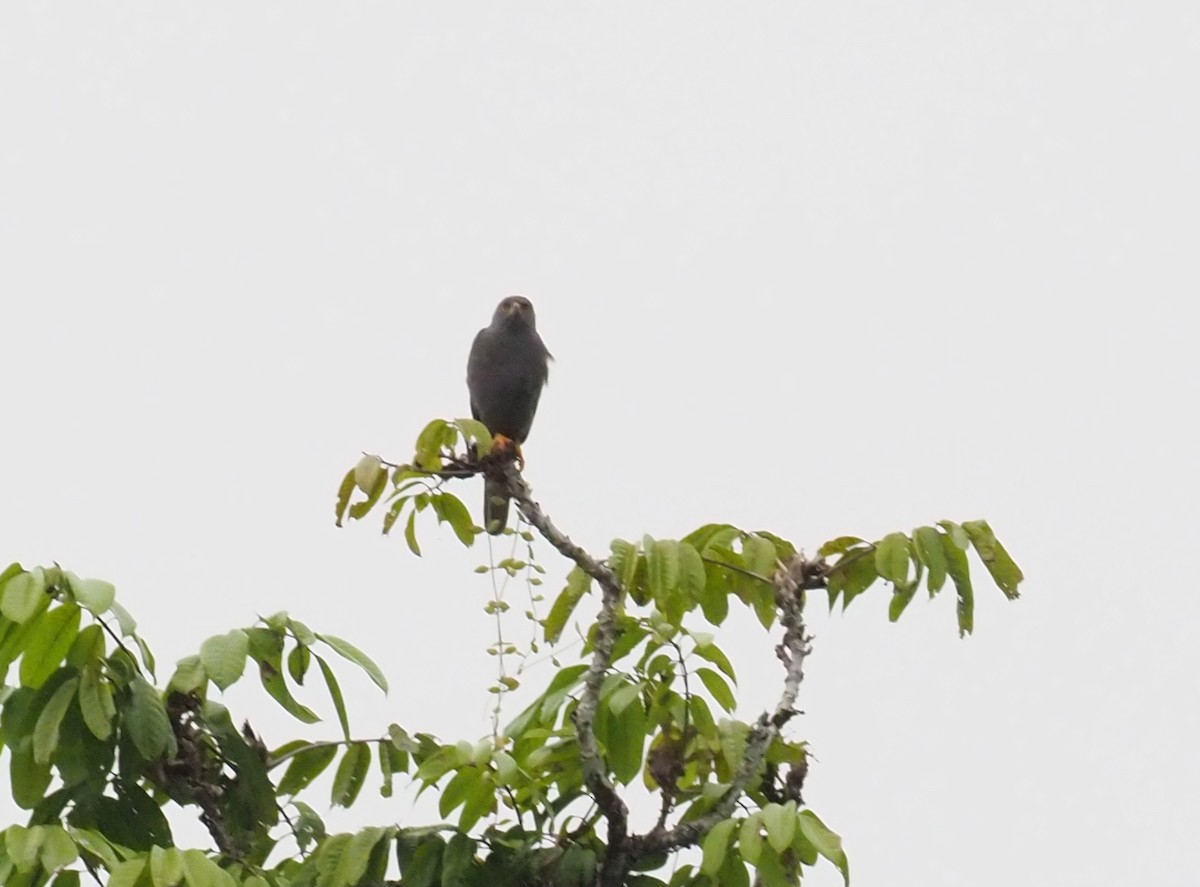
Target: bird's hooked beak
{"x":516,"y":309}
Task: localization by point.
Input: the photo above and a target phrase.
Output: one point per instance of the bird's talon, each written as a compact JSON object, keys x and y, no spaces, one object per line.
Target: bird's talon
{"x":504,"y":445}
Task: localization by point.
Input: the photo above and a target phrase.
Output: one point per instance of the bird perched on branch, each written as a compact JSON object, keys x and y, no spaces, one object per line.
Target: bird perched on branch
{"x":506,"y":370}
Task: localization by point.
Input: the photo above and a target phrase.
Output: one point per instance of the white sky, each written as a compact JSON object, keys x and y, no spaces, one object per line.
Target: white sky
{"x":817,"y":268}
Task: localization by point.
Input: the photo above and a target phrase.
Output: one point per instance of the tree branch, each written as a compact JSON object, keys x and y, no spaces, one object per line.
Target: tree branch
{"x":790,"y":580}
{"x":616,"y":859}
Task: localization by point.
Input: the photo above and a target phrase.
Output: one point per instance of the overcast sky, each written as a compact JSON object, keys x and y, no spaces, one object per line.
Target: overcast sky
{"x":818,"y":268}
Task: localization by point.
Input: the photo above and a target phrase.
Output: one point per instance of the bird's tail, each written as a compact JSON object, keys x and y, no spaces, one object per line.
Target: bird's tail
{"x":495,"y":507}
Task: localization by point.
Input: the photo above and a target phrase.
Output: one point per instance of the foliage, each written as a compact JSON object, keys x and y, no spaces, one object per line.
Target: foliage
{"x":97,"y":751}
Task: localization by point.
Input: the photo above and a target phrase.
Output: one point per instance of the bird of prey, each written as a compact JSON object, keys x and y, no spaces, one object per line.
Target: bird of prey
{"x":506,"y":370}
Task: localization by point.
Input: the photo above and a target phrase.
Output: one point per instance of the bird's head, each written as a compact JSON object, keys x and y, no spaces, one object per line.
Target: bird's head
{"x":515,"y":311}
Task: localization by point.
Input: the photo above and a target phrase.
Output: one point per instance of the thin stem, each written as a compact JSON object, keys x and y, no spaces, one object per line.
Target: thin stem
{"x":736,"y":569}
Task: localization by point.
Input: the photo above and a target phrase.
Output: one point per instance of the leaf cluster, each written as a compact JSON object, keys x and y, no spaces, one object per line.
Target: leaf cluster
{"x":97,"y":752}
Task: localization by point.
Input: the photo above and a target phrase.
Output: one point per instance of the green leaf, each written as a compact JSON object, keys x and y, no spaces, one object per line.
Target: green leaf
{"x":393,"y":514}
{"x":328,"y":857}
{"x":58,"y":849}
{"x":335,"y":693}
{"x":457,"y":789}
{"x":714,"y":600}
{"x":126,"y":622}
{"x":421,"y":864}
{"x":733,"y":873}
{"x":715,"y":655}
{"x":429,"y":446}
{"x":759,"y":555}
{"x":771,"y":872}
{"x":803,"y":849}
{"x":304,"y":767}
{"x":147,"y":656}
{"x":360,"y":510}
{"x":189,"y":675}
{"x":410,"y":533}
{"x":701,"y":716}
{"x":957,"y":533}
{"x":23,"y":845}
{"x":692,"y":577}
{"x":94,"y":594}
{"x":709,"y":535}
{"x":266,"y":647}
{"x":351,"y":773}
{"x":1004,"y":570}
{"x":386,"y":769}
{"x":28,"y":779}
{"x":960,"y":574}
{"x":750,"y":840}
{"x":891,"y":558}
{"x":780,"y":821}
{"x":928,"y":543}
{"x":352,"y":863}
{"x":298,"y":661}
{"x":45,"y":733}
{"x":716,"y":845}
{"x":11,"y":570}
{"x":22,"y":594}
{"x":97,"y":845}
{"x":166,"y":866}
{"x":544,"y":708}
{"x":840,"y":545}
{"x":624,"y":562}
{"x":348,"y":651}
{"x":345,"y":491}
{"x":625,"y":742}
{"x":901,"y":598}
{"x":623,"y":696}
{"x":662,"y":567}
{"x":827,"y":842}
{"x":449,"y":508}
{"x":851,"y":576}
{"x":202,"y":871}
{"x":146,"y":720}
{"x":126,"y":874}
{"x":578,"y":584}
{"x":87,"y":648}
{"x":301,"y":632}
{"x":50,"y":639}
{"x":715,"y":684}
{"x":224,"y":657}
{"x":457,"y":860}
{"x":763,"y":598}
{"x":475,"y":432}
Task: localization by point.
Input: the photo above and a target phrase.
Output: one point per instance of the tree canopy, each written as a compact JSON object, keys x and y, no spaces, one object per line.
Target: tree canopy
{"x":98,"y":751}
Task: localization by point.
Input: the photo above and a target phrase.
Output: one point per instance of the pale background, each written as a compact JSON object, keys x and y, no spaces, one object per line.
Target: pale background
{"x":819,"y":268}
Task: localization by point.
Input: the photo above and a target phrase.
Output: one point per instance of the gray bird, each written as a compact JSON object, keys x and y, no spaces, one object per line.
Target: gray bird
{"x":507,"y":368}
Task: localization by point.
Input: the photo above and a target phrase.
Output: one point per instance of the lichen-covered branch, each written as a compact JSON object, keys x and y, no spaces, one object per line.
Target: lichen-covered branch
{"x":790,"y":581}
{"x":594,"y":771}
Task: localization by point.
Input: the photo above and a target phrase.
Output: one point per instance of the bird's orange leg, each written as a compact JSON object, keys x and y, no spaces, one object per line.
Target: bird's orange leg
{"x":505,"y":444}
